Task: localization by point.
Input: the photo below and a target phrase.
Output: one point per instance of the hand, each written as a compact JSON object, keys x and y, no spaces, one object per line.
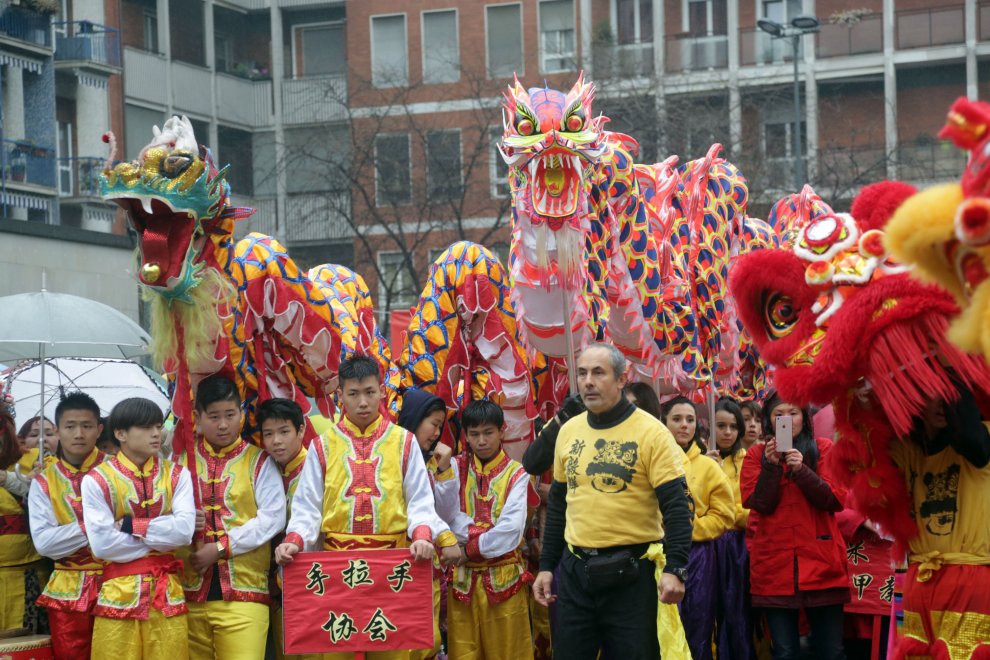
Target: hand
{"x":285,"y":552}
{"x":794,"y":460}
{"x":443,"y":453}
{"x":670,"y":591}
{"x":200,"y":520}
{"x":205,"y":557}
{"x":422,"y":550}
{"x":573,"y":405}
{"x":451,"y":555}
{"x":713,"y":453}
{"x":542,"y":585}
{"x":770,"y":452}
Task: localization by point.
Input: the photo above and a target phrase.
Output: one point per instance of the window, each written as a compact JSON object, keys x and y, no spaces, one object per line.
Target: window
{"x":64,"y":158}
{"x":443,"y":164}
{"x":389,"y":64}
{"x":706,"y":18}
{"x":635,"y":19}
{"x":503,"y":26}
{"x":318,"y":50}
{"x":498,"y":171}
{"x":778,"y":140}
{"x":557,"y":36}
{"x":392,"y":170}
{"x":223,"y":50}
{"x":781,"y":11}
{"x":395,"y":279}
{"x":441,"y":54}
{"x":151,"y":31}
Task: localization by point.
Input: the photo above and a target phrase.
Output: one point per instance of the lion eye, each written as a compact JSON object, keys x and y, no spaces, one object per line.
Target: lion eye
{"x":780,"y":315}
{"x":524,"y":127}
{"x":174,"y":165}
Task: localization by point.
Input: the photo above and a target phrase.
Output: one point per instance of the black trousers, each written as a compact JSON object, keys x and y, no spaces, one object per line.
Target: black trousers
{"x":621,"y":621}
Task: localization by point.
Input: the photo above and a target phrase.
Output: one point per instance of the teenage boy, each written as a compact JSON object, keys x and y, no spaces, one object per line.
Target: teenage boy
{"x":226,"y":576}
{"x":487,"y":602}
{"x":365,"y":508}
{"x":58,"y":532}
{"x":137,"y":509}
{"x":282,"y":429}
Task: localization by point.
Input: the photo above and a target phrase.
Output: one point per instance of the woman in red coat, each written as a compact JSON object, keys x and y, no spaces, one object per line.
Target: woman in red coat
{"x":797,"y":557}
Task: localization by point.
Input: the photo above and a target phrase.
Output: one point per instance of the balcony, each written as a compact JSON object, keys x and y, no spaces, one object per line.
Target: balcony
{"x":25,"y":163}
{"x":863,"y":36}
{"x":924,"y":28}
{"x":89,"y":45}
{"x":314,"y":99}
{"x":757,"y":47}
{"x":843,"y":170}
{"x":691,"y":53}
{"x":983,"y":21}
{"x":145,"y":78}
{"x":261,"y":221}
{"x":244,"y":102}
{"x":79,"y":177}
{"x":319,"y":217}
{"x":931,"y":162}
{"x":192,"y":88}
{"x":623,"y":61}
{"x":25,"y":25}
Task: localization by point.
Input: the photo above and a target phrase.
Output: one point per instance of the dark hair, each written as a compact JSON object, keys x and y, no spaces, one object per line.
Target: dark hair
{"x":106,"y":435}
{"x":753,"y":407}
{"x":804,"y":441}
{"x":728,"y":405}
{"x":480,"y":413}
{"x":26,"y":426}
{"x":215,"y":389}
{"x":359,"y":366}
{"x":10,"y":452}
{"x":75,"y":401}
{"x":644,"y":397}
{"x":136,"y":411}
{"x":680,"y":400}
{"x":282,"y":410}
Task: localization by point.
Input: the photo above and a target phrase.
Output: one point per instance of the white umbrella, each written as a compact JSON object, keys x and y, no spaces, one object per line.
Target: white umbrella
{"x":46,"y":325}
{"x":107,"y":381}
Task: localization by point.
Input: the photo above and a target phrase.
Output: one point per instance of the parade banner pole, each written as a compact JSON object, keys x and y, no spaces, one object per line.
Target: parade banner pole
{"x":710,"y":401}
{"x":569,"y":335}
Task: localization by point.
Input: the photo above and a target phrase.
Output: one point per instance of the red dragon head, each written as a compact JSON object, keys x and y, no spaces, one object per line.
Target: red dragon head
{"x":844,"y":323}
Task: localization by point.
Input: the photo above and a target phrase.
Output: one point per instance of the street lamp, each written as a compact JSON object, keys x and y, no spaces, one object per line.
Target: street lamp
{"x":800,"y":26}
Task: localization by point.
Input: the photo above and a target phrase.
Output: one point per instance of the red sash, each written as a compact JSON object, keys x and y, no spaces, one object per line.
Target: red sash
{"x":157,"y":566}
{"x":13,"y":524}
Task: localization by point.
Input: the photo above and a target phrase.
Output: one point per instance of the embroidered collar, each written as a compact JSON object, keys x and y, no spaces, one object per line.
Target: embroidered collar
{"x":210,"y":450}
{"x":295,"y":462}
{"x":351,"y":430}
{"x":493,"y":466}
{"x":95,"y":456}
{"x":146,"y":470}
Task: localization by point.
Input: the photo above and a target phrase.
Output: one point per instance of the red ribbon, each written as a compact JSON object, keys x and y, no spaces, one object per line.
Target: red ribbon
{"x":157,"y":566}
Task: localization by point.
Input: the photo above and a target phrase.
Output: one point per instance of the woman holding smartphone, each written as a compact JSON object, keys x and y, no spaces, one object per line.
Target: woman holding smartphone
{"x":797,"y":557}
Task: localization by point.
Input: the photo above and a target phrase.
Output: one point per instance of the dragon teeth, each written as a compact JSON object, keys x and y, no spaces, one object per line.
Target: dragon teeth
{"x":146,"y":205}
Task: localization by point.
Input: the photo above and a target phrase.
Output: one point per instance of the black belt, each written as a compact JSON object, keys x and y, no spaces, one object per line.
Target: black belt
{"x":637,"y":549}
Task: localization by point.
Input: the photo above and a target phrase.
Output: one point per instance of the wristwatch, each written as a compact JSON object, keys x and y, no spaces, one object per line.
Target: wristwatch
{"x":680,"y":573}
{"x":220,"y":549}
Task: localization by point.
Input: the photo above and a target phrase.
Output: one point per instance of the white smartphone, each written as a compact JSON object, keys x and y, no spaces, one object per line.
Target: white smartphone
{"x":784,"y":434}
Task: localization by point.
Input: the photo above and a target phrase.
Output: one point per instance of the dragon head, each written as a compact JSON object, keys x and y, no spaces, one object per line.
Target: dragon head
{"x":174,"y":197}
{"x":945,"y":230}
{"x":551,"y":143}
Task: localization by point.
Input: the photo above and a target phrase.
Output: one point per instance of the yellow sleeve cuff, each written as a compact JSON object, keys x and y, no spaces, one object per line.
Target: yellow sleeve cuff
{"x":446,"y":539}
{"x":446,"y":475}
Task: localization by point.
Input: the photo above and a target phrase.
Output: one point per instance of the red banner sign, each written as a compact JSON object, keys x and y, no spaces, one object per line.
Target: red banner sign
{"x":871,"y":576}
{"x":371,"y":600}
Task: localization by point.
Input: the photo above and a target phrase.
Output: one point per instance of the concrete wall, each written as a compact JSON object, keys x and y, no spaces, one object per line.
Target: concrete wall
{"x":90,"y":269}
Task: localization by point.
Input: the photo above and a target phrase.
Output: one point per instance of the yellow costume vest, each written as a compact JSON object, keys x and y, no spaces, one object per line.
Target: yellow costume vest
{"x":16,"y":548}
{"x":130,"y":596}
{"x":483,"y":492}
{"x":731,"y":465}
{"x":75,"y":583}
{"x":226,"y":489}
{"x":363,"y":502}
{"x":29,"y":460}
{"x":290,"y":479}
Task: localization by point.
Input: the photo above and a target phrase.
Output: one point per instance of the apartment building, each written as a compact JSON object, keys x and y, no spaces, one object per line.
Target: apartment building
{"x":363,"y":132}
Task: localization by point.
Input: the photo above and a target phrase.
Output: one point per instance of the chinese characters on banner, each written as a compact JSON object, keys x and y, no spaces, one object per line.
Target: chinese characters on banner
{"x":371,"y":600}
{"x":871,"y":577}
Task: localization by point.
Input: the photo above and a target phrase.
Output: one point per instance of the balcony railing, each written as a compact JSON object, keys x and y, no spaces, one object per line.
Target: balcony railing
{"x":79,"y":177}
{"x":691,"y":53}
{"x":624,"y":60}
{"x":318,"y":217}
{"x":983,"y":20}
{"x":243,"y":101}
{"x":27,"y":25}
{"x":22,"y":162}
{"x":315,"y":99}
{"x":759,"y":48}
{"x":922,"y":28}
{"x":864,"y":36}
{"x":936,"y":161}
{"x":145,"y":75}
{"x":88,"y":42}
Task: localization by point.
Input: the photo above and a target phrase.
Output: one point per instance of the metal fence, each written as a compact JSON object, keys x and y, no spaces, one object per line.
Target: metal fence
{"x":86,"y":41}
{"x":79,"y":176}
{"x":23,"y":162}
{"x":27,"y":25}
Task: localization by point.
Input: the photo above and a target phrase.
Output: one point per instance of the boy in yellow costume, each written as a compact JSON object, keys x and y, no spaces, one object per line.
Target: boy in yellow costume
{"x":487,"y":602}
{"x":226,"y":577}
{"x":55,"y":506}
{"x":282,"y":429}
{"x":138,"y":509}
{"x":364,"y":485}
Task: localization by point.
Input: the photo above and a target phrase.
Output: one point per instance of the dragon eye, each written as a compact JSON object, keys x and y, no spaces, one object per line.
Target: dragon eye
{"x":575,"y":121}
{"x":524,"y":126}
{"x":780,"y":315}
{"x":174,"y":165}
